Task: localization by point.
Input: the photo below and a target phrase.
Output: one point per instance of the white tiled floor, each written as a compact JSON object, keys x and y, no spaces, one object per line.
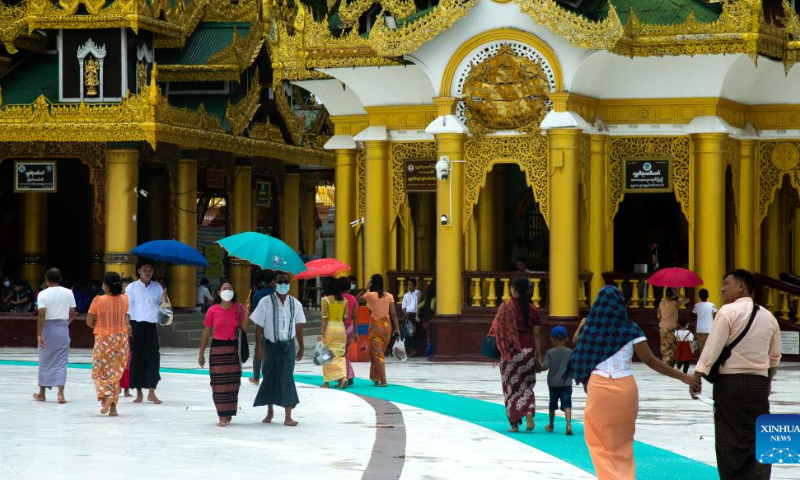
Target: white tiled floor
{"x":180,"y":439}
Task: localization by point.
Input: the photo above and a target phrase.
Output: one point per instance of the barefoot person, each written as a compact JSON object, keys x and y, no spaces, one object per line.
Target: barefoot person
{"x":602,"y":363}
{"x":333,"y":333}
{"x":144,"y":296}
{"x":279,"y":319}
{"x":516,"y":330}
{"x":224,"y":317}
{"x":125,"y":382}
{"x":383,"y":325}
{"x":56,"y":312}
{"x":108,"y":317}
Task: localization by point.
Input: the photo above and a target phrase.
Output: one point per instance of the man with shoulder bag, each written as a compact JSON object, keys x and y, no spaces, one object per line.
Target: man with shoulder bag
{"x":740,"y":358}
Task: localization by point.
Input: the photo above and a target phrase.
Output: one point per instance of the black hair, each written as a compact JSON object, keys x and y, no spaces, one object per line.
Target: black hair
{"x":142,"y":262}
{"x":743,"y":276}
{"x":412,"y":281}
{"x":682,"y":322}
{"x":218,"y":298}
{"x":377,"y":284}
{"x":53,"y":275}
{"x":114,"y":282}
{"x":703,"y":294}
{"x":332,"y":286}
{"x":522,"y":285}
{"x":127,"y":280}
{"x":344,"y":284}
{"x":204,"y":281}
{"x":522,"y":259}
{"x":352,"y":279}
{"x":668,"y":293}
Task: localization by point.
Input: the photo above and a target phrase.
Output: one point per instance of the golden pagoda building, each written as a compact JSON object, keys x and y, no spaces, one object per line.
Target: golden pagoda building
{"x":597,"y":139}
{"x":127,"y":121}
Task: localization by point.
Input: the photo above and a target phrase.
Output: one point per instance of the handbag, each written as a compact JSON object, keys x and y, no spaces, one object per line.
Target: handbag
{"x":489,"y":348}
{"x":242,"y":345}
{"x":713,"y":374}
{"x":165,"y":311}
{"x":322,"y":354}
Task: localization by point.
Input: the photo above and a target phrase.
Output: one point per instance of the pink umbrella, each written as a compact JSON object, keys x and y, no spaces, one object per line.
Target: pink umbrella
{"x":324,"y":267}
{"x":675,"y":278}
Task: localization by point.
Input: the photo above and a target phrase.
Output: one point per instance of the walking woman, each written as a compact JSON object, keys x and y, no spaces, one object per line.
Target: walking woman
{"x":350,"y":324}
{"x":601,"y":361}
{"x":224,"y":317}
{"x":108,"y":317}
{"x":516,"y":330}
{"x":332,"y":333}
{"x":668,"y":323}
{"x":382,"y":309}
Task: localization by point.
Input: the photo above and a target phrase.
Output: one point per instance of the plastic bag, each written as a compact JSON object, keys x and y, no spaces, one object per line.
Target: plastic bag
{"x":410,"y":328}
{"x":165,"y":311}
{"x":399,"y":350}
{"x":322,"y":354}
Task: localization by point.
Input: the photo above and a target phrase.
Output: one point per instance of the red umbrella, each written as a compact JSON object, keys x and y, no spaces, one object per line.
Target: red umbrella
{"x":675,"y":278}
{"x":324,"y":267}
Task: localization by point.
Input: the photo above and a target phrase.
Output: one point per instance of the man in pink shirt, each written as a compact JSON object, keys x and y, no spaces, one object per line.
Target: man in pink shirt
{"x":741,"y":393}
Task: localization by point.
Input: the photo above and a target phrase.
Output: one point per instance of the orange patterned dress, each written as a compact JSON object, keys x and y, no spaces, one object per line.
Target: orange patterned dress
{"x":111,"y":352}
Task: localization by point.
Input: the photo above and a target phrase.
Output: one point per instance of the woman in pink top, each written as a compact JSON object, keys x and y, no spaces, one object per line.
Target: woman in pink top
{"x":350,"y":326}
{"x":382,"y":308}
{"x":224,"y":318}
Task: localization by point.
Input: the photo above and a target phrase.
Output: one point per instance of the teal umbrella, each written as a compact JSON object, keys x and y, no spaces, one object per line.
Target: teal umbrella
{"x":267,"y":252}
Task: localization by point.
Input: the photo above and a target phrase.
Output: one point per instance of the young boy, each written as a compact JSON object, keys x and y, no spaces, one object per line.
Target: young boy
{"x":705,"y":311}
{"x":684,"y":348}
{"x":556,"y":360}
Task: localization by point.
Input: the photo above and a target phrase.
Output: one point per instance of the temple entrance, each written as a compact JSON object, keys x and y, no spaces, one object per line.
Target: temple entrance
{"x":645,"y":219}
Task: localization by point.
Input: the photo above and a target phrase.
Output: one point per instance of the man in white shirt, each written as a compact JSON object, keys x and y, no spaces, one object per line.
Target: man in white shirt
{"x":410,"y":305}
{"x":705,"y":311}
{"x":56,"y":312}
{"x":144,"y":297}
{"x":279,"y":319}
{"x":204,"y":299}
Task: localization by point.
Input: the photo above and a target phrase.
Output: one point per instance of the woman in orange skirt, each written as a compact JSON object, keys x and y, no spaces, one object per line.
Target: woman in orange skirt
{"x":601,"y":361}
{"x":382,"y":324}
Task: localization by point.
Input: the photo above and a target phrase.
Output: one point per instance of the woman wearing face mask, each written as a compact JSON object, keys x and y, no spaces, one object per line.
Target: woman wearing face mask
{"x":224,"y":317}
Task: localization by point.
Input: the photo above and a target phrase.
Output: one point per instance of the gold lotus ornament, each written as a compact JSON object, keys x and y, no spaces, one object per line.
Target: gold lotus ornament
{"x":505,"y":92}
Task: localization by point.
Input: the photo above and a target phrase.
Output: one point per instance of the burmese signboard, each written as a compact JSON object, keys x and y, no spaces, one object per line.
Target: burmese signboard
{"x":421,"y":175}
{"x":35,"y":176}
{"x":647,"y":176}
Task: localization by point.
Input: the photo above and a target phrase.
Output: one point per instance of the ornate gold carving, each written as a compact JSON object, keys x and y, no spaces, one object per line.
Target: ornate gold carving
{"x":674,"y":149}
{"x":12,"y":23}
{"x":584,"y":154}
{"x":772,"y":172}
{"x":266,"y":131}
{"x":505,"y":92}
{"x":91,"y":74}
{"x":141,"y":76}
{"x":239,"y":115}
{"x":527,"y":151}
{"x":232,"y":11}
{"x":361,"y":167}
{"x":351,"y":11}
{"x":92,"y":154}
{"x":294,"y":124}
{"x":399,"y":153}
{"x":575,"y":28}
{"x":785,"y":156}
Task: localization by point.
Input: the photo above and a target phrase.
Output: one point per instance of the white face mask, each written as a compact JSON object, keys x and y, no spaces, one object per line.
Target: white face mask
{"x":6,"y":284}
{"x":353,"y":286}
{"x":226,"y":295}
{"x":282,"y":288}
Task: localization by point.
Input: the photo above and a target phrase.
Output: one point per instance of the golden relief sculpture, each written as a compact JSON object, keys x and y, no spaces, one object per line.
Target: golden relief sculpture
{"x":775,"y":160}
{"x":91,"y":76}
{"x":240,"y":115}
{"x":141,"y":76}
{"x":505,"y":92}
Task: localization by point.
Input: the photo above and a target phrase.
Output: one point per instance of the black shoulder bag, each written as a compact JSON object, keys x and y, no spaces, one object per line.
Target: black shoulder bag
{"x":713,"y":374}
{"x":243,"y":347}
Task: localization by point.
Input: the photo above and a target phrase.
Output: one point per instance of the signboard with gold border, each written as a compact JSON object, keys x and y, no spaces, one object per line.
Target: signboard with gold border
{"x":35,"y":176}
{"x":648,"y":175}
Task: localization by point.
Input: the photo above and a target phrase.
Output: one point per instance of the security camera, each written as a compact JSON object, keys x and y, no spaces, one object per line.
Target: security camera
{"x":355,"y":223}
{"x":140,"y":192}
{"x":443,"y":168}
{"x":443,"y":219}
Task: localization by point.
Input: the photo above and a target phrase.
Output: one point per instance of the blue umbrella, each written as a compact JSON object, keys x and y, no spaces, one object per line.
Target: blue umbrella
{"x":267,"y":252}
{"x":171,"y":251}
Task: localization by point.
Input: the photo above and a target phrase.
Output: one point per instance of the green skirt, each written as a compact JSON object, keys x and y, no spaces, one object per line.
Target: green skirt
{"x":277,"y":386}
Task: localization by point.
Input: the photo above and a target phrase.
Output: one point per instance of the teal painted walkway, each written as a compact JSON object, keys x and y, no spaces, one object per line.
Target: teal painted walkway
{"x":652,"y":463}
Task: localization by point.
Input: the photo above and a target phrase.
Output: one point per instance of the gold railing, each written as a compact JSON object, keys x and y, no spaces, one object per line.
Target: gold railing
{"x":398,"y":282}
{"x":780,"y":297}
{"x":637,"y":292}
{"x":489,"y":289}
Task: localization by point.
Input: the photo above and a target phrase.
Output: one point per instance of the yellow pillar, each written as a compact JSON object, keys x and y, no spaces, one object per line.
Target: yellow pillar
{"x":345,"y":212}
{"x":122,"y":175}
{"x":564,"y":204}
{"x":487,"y":234}
{"x":183,"y":277}
{"x":748,"y":179}
{"x":239,"y":275}
{"x":33,"y":237}
{"x":774,"y":254}
{"x":291,"y":215}
{"x":450,"y":136}
{"x":709,"y":216}
{"x":597,"y":213}
{"x":377,"y":226}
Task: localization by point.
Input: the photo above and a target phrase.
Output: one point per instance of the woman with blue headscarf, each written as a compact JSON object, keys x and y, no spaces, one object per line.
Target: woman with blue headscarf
{"x":602,"y":363}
